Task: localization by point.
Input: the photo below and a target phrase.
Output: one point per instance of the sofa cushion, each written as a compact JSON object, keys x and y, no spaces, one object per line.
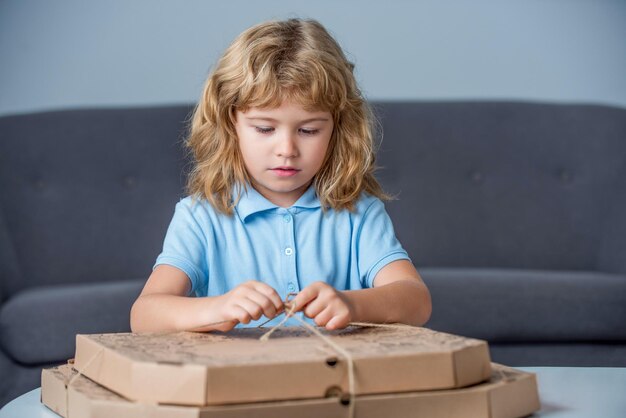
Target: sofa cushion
{"x":69,"y":176}
{"x":507,"y":185}
{"x":39,"y":325}
{"x":505,"y":305}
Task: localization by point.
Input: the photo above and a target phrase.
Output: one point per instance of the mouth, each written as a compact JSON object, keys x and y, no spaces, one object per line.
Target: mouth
{"x":285,"y":171}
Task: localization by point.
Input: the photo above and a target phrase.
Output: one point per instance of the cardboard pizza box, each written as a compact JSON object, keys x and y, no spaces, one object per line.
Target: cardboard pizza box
{"x":509,"y":393}
{"x":236,"y":367}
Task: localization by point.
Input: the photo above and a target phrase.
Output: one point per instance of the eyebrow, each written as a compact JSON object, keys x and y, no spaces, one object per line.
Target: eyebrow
{"x":274,"y":120}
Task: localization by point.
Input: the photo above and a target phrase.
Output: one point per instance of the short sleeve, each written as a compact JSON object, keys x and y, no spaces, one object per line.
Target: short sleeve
{"x":377,"y":244}
{"x":184,"y":246}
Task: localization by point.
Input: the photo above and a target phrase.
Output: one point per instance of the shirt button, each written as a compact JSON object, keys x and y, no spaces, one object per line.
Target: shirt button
{"x":291,"y":287}
{"x":288,"y":251}
{"x":287,"y":218}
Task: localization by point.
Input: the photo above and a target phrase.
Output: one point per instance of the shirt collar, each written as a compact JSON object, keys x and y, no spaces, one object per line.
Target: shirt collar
{"x":252,"y":201}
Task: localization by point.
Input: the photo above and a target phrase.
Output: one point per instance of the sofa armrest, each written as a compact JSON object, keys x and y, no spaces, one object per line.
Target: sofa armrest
{"x":612,"y":249}
{"x":9,"y":269}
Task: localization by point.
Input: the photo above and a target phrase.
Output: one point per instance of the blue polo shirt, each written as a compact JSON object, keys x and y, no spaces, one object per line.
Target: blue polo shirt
{"x":287,"y":248}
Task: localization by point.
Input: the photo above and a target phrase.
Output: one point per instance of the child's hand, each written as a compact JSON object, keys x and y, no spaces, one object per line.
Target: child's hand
{"x":327,"y":306}
{"x":246,"y":302}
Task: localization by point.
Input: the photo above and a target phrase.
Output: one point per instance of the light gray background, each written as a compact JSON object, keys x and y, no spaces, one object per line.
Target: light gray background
{"x":77,"y":53}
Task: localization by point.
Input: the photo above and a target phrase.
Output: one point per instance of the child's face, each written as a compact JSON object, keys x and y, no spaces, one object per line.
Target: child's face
{"x":283,"y":148}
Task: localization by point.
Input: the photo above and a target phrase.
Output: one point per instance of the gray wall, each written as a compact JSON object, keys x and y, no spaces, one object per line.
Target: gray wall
{"x":74,"y":53}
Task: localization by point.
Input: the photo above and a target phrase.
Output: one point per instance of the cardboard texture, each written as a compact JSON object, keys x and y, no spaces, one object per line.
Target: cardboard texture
{"x":235,"y":367}
{"x":509,"y":393}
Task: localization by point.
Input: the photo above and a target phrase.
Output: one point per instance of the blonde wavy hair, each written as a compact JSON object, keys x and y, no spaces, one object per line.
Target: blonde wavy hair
{"x":297,"y":60}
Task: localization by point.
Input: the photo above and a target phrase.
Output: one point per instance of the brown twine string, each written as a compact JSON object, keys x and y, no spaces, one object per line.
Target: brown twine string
{"x":78,"y":373}
{"x":67,"y":380}
{"x":350,"y":361}
{"x":292,"y":308}
{"x":331,"y":343}
{"x":337,"y":347}
{"x":503,"y":376}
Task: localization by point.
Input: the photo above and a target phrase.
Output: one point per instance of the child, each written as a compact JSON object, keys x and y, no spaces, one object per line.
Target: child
{"x":283,"y":199}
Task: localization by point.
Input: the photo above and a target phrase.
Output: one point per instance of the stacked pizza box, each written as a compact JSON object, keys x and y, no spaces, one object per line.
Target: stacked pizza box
{"x":364,"y":372}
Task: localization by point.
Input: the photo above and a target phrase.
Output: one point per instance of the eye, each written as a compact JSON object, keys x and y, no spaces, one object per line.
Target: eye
{"x":263,"y":130}
{"x":309,"y":131}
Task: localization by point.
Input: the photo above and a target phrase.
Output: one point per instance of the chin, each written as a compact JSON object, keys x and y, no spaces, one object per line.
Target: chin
{"x":286,"y":189}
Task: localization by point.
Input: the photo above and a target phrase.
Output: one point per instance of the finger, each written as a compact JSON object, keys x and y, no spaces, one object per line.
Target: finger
{"x":239,"y":314}
{"x":323,"y":317}
{"x":337,"y":322}
{"x":313,"y":308}
{"x":305,"y":296}
{"x":253,"y":308}
{"x":268,"y":308}
{"x":271,"y":293}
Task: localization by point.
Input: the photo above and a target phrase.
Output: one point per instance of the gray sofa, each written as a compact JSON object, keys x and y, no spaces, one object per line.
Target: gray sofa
{"x":514,"y":213}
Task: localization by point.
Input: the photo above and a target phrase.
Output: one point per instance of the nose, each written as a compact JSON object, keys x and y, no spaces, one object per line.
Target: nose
{"x":286,"y":146}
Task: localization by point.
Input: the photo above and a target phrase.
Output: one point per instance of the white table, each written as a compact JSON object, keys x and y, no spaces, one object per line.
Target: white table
{"x":565,"y":392}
